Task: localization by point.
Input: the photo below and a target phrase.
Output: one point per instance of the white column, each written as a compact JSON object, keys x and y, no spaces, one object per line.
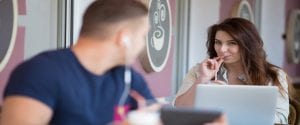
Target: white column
{"x":272,"y":28}
{"x":204,"y":13}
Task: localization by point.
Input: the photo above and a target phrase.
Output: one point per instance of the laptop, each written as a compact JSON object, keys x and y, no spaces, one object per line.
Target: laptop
{"x":242,"y":104}
{"x":187,"y":116}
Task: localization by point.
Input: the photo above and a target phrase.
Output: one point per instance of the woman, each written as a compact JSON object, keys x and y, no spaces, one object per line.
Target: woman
{"x":236,"y":56}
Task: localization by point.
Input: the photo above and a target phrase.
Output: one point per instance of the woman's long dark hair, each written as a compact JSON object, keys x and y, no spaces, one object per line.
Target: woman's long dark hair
{"x":257,"y":69}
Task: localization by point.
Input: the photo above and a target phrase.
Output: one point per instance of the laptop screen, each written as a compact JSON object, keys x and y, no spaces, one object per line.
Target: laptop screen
{"x":243,"y":104}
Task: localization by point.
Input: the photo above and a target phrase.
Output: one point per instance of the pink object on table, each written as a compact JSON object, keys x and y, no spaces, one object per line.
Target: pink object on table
{"x":120,"y":113}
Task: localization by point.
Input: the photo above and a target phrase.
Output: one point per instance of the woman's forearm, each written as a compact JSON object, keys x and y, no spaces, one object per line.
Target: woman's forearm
{"x":187,"y":98}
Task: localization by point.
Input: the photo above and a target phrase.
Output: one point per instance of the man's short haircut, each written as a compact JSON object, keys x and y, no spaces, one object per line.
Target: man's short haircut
{"x":103,"y":13}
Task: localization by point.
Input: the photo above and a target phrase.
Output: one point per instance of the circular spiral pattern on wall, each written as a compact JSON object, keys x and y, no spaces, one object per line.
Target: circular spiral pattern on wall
{"x":8,"y":29}
{"x":159,"y":36}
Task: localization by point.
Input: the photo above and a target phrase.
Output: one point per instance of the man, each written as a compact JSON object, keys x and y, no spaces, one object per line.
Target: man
{"x":83,"y":84}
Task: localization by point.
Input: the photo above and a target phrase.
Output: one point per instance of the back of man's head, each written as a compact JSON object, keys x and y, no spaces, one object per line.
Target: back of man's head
{"x":102,"y":14}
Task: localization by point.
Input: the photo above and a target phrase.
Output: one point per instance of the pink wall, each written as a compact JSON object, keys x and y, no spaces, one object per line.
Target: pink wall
{"x":292,"y":69}
{"x":17,"y":53}
{"x":160,"y":83}
{"x":16,"y":57}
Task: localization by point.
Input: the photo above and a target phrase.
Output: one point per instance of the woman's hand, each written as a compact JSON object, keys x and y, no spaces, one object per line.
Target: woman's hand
{"x":208,"y":69}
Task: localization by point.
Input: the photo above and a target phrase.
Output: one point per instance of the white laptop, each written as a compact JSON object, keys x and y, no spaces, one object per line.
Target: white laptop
{"x":242,"y":104}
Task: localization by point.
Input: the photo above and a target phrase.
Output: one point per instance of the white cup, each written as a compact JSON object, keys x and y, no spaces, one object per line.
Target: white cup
{"x":143,"y":118}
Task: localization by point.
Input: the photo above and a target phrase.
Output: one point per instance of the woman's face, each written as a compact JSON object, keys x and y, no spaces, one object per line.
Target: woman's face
{"x":227,"y":47}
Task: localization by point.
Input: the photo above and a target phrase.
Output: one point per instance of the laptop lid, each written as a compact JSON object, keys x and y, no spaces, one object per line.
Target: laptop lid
{"x":187,"y":116}
{"x":243,"y":104}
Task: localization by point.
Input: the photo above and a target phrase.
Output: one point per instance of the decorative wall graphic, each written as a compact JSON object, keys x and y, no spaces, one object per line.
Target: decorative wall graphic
{"x":8,"y":29}
{"x":159,"y":36}
{"x":243,"y":9}
{"x":293,"y":37}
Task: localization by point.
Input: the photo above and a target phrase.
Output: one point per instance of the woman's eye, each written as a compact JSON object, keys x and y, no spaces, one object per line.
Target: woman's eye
{"x":217,"y":42}
{"x":232,"y":43}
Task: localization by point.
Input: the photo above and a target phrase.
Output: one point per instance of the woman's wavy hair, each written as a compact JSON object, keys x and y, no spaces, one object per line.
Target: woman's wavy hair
{"x":257,"y":69}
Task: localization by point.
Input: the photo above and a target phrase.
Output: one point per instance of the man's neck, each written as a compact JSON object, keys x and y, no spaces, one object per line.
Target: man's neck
{"x":96,"y":56}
